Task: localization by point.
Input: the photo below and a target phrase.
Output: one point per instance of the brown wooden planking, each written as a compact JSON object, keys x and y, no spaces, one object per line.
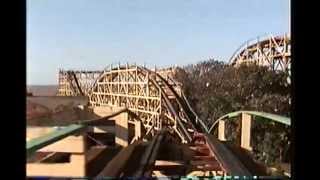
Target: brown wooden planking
{"x":163,"y":165}
{"x":206,"y":158}
{"x":210,"y":167}
{"x":248,"y":161}
{"x":229,"y":162}
{"x":115,"y":167}
{"x":98,"y":157}
{"x":149,"y":156}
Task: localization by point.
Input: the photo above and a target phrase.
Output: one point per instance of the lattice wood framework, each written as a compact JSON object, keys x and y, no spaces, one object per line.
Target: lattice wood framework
{"x":272,"y":51}
{"x":76,"y":83}
{"x":168,"y":74}
{"x":139,"y":90}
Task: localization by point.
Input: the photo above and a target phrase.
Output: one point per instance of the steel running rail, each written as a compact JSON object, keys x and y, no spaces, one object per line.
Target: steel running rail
{"x":168,"y":103}
{"x":195,"y":114}
{"x":228,"y":160}
{"x":203,"y":126}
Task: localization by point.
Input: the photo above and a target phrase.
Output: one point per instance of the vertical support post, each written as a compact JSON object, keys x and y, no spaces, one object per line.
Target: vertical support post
{"x":155,"y":72}
{"x":121,"y":129}
{"x":147,"y":85}
{"x":221,"y":130}
{"x":118,"y":83}
{"x":136,"y":81}
{"x":246,"y":131}
{"x":137,"y":130}
{"x":160,"y":109}
{"x":79,"y":164}
{"x":127,"y":85}
{"x":59,"y":82}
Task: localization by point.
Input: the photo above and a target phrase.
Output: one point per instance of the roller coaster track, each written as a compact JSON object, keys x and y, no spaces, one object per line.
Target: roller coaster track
{"x":76,"y":83}
{"x":72,"y":77}
{"x":167,"y":117}
{"x":271,"y":51}
{"x":176,"y":106}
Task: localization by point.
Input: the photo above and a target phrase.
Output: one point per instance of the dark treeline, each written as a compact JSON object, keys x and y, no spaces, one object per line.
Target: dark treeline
{"x":214,"y":89}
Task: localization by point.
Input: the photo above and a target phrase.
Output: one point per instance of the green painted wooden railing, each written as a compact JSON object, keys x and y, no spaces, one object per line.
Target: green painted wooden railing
{"x":269,"y":116}
{"x":37,"y":143}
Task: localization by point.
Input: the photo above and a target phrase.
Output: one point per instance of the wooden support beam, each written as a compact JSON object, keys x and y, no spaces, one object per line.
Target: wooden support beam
{"x":137,"y":130}
{"x":121,"y":129}
{"x":205,"y":158}
{"x":149,"y":156}
{"x":117,"y":165}
{"x":168,"y":165}
{"x":221,"y":130}
{"x":207,"y":167}
{"x":246,"y":131}
{"x":229,"y":162}
{"x":71,"y":144}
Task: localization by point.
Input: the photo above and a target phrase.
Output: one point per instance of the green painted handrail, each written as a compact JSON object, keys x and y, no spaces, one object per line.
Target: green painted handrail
{"x":273,"y":117}
{"x":37,"y":143}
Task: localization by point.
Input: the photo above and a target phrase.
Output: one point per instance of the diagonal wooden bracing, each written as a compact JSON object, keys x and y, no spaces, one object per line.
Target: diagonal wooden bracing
{"x":76,"y":83}
{"x":139,"y":90}
{"x":271,"y":51}
{"x":152,"y":95}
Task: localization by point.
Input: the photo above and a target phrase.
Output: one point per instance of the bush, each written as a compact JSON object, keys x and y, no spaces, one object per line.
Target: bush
{"x":214,"y":89}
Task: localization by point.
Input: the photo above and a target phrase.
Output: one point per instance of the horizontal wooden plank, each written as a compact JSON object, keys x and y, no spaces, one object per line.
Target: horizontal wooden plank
{"x":168,"y":163}
{"x":70,"y":144}
{"x":229,"y":162}
{"x":119,"y":162}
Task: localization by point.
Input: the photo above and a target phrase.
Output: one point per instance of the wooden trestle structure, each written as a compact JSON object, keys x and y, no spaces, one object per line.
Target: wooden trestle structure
{"x":271,"y":51}
{"x":155,"y":100}
{"x":169,"y":122}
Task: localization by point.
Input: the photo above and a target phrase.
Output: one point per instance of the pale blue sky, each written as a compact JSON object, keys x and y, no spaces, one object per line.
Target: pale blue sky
{"x":91,"y":34}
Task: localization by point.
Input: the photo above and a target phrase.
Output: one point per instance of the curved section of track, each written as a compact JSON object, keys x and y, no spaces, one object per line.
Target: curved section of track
{"x":161,"y":109}
{"x":271,"y":51}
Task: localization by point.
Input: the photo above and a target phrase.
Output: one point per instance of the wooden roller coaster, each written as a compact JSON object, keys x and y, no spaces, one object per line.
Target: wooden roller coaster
{"x":172,"y":141}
